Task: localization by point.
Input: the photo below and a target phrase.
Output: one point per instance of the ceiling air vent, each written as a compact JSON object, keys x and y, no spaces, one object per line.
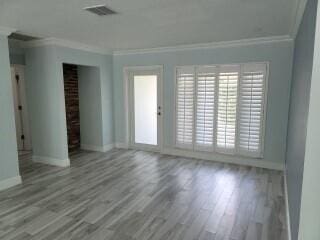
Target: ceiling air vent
{"x":100,"y":10}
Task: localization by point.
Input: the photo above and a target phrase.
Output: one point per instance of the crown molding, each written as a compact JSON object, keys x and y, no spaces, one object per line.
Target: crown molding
{"x":297,"y":17}
{"x":5,"y":31}
{"x":89,"y":48}
{"x":224,"y":44}
{"x":65,"y":43}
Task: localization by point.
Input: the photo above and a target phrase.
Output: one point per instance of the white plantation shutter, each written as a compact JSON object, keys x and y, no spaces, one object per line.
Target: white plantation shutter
{"x":221,"y":108}
{"x":251,"y":112}
{"x":227,"y":108}
{"x":185,"y":84}
{"x":205,"y":107}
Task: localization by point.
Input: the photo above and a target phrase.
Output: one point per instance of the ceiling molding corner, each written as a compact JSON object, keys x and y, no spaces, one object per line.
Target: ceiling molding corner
{"x":6,"y":31}
{"x":65,"y":43}
{"x":297,"y":17}
{"x":224,"y":44}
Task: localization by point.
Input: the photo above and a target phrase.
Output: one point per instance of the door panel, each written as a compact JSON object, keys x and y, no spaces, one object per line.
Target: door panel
{"x":145,"y":109}
{"x":145,"y":91}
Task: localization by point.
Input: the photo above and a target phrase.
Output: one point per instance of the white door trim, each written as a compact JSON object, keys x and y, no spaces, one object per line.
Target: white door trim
{"x":128,"y":107}
{"x":21,"y":118}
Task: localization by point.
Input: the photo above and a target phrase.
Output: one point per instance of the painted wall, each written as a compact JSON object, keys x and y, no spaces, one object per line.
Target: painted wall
{"x":46,"y":104}
{"x":8,"y":145}
{"x":310,"y":208}
{"x":17,"y":54}
{"x":89,"y":102}
{"x":298,"y":115}
{"x":17,"y":59}
{"x":45,"y":97}
{"x":279,"y":54}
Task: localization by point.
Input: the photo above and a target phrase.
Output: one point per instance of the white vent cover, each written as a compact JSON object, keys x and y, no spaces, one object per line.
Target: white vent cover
{"x":101,"y":10}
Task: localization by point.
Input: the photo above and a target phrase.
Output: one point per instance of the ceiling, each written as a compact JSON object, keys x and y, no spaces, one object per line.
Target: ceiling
{"x":150,"y":23}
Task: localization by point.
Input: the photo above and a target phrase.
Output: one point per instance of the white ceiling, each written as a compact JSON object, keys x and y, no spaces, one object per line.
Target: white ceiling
{"x":150,"y":23}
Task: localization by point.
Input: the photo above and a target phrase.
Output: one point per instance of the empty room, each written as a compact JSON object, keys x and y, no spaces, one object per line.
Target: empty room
{"x":159,"y":120}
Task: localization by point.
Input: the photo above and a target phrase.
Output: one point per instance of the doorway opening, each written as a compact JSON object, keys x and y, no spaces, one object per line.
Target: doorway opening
{"x":82,"y":89}
{"x":23,"y":135}
{"x":71,"y":92}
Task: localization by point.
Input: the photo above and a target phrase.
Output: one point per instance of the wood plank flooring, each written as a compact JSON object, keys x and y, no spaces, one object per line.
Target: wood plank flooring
{"x":128,"y":195}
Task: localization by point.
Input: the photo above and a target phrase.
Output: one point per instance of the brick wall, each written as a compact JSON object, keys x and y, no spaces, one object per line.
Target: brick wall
{"x":70,"y":74}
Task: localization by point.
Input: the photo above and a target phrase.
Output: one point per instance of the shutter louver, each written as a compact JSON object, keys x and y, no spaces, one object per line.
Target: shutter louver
{"x":252,"y":88}
{"x":205,"y":108}
{"x":184,"y":106}
{"x":227,"y":108}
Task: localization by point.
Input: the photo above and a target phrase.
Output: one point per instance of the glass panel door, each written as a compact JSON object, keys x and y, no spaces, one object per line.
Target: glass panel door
{"x":145,"y":108}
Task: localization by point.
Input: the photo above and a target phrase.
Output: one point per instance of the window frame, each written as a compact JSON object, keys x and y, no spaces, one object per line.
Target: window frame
{"x":214,"y":148}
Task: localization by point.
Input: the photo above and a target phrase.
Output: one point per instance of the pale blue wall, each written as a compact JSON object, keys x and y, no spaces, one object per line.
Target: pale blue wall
{"x":279,"y":54}
{"x":8,"y":146}
{"x":17,"y":54}
{"x":45,"y":101}
{"x":44,"y":71}
{"x":309,"y":227}
{"x":45,"y":97}
{"x":298,"y":115}
{"x":17,"y":59}
{"x":89,"y":103}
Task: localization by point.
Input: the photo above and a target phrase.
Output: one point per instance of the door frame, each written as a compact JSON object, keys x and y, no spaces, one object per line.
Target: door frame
{"x":19,"y":95}
{"x":128,"y":107}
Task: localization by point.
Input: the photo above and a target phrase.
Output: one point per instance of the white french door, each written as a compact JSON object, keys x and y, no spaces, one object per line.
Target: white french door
{"x":145,"y":107}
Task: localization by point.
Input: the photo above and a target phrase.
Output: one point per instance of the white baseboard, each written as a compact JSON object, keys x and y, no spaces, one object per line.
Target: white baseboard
{"x":9,"y":182}
{"x":52,"y":161}
{"x":286,"y":199}
{"x":108,"y":147}
{"x":254,"y":162}
{"x":95,"y":148}
{"x":122,"y":145}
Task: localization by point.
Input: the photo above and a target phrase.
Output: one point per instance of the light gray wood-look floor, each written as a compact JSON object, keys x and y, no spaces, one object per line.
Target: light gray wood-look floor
{"x":127,"y":195}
